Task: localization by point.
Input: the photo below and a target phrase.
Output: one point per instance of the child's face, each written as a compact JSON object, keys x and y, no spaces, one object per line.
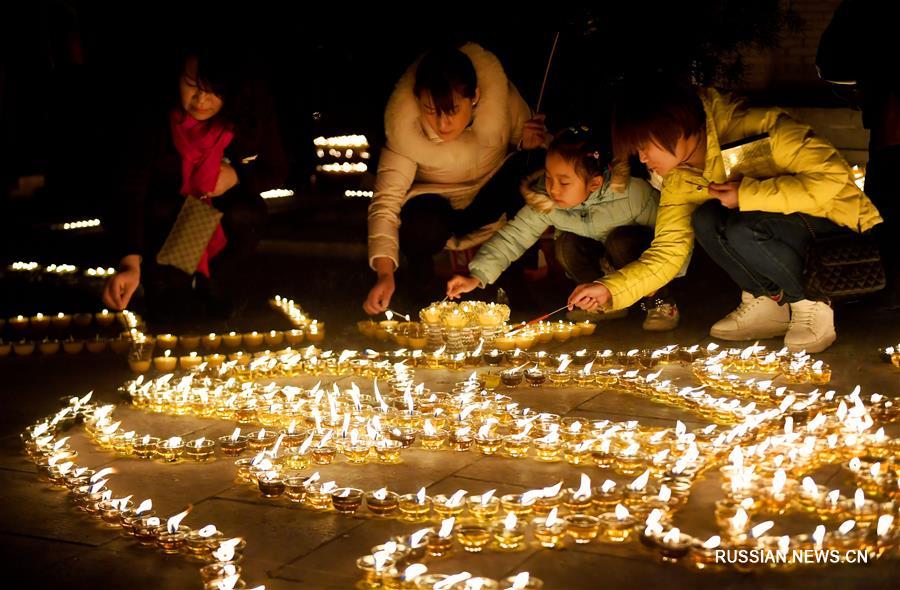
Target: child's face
{"x":565,"y":186}
{"x":662,"y":161}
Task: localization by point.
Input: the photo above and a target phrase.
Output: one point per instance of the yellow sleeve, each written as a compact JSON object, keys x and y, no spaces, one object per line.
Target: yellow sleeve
{"x":815,"y":173}
{"x":672,"y":243}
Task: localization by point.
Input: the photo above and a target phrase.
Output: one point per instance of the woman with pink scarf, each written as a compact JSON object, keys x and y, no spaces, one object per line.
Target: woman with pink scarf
{"x":218,"y":143}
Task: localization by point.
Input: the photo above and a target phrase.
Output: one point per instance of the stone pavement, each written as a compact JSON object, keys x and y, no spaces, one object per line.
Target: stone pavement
{"x":46,"y":540}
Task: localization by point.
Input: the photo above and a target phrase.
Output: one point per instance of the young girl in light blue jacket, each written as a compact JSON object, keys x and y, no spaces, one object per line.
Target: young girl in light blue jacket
{"x":603,"y":220}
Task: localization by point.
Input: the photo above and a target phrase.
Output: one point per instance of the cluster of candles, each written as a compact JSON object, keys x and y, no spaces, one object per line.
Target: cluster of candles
{"x":315,"y":330}
{"x":392,"y":565}
{"x":91,"y":493}
{"x":61,"y":321}
{"x":50,"y":269}
{"x":492,"y":321}
{"x":204,"y":351}
{"x":767,"y":457}
{"x":53,"y":326}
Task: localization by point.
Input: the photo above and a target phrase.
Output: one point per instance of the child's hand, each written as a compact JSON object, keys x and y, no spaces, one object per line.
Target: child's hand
{"x":589,"y":296}
{"x":460,"y":284}
{"x":534,"y":133}
{"x":727,"y":193}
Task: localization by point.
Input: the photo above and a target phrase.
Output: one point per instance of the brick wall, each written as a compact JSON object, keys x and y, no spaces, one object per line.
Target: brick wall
{"x":786,"y":75}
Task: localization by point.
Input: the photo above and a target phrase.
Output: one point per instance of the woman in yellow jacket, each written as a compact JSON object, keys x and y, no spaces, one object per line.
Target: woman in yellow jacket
{"x":758,"y":229}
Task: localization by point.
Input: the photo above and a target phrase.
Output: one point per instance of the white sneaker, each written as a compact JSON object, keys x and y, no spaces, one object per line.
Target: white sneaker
{"x":754,"y":319}
{"x":662,"y":318}
{"x":811,"y":328}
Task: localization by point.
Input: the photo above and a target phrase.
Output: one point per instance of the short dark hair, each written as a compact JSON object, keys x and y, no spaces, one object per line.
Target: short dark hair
{"x":579,"y":147}
{"x":657,"y":110}
{"x":443,"y":71}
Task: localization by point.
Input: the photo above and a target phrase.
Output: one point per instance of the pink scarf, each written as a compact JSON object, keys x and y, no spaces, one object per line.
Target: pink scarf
{"x":201,"y":146}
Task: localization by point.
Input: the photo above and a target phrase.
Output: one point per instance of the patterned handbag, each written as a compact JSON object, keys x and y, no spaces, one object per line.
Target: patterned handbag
{"x":188,"y":238}
{"x":843,"y":266}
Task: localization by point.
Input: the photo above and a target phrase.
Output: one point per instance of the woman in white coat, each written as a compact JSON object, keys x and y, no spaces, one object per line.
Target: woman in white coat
{"x":449,"y":174}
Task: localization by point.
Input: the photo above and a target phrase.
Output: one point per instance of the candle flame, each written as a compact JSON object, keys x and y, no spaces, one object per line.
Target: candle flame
{"x":415,"y":539}
{"x":621,"y":512}
{"x":101,"y":474}
{"x":665,"y":493}
{"x":584,"y":490}
{"x":875,"y":470}
{"x":228,"y":583}
{"x":761,"y":529}
{"x":712,"y":542}
{"x":380,"y":494}
{"x":379,"y":558}
{"x":846,"y":526}
{"x":673,"y":536}
{"x":884,"y":524}
{"x":420,"y":496}
{"x":552,"y":518}
{"x":509,"y":523}
{"x":553,"y":490}
{"x":859,"y":499}
{"x":520,"y":582}
{"x":819,"y":535}
{"x":739,"y":520}
{"x":446,"y":528}
{"x":173,"y":522}
{"x":207,"y":531}
{"x":414,"y":571}
{"x":144,"y":506}
{"x":98,"y":486}
{"x":810,"y":487}
{"x":640,"y":482}
{"x":778,"y":481}
{"x":452,"y":581}
{"x":456,"y":499}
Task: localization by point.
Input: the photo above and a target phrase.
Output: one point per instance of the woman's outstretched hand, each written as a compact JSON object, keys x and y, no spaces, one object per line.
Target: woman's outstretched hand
{"x":122,"y":285}
{"x":589,"y":296}
{"x":460,"y":284}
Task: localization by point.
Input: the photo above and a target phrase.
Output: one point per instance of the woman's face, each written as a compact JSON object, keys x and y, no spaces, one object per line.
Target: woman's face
{"x":198,"y":103}
{"x":662,"y":161}
{"x":565,"y":186}
{"x":448,"y":125}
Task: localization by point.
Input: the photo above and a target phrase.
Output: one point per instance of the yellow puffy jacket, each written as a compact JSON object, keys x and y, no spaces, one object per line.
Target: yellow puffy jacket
{"x":814,"y":179}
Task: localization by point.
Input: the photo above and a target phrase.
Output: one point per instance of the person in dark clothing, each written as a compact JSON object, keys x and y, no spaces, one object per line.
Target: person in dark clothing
{"x":220,"y":142}
{"x":859,"y":50}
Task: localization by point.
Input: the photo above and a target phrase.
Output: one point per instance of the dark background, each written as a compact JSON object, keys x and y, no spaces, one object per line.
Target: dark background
{"x":75,"y":72}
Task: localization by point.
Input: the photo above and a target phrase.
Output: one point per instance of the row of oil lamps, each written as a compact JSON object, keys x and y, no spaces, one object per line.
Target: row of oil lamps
{"x":272,"y":476}
{"x":91,"y":493}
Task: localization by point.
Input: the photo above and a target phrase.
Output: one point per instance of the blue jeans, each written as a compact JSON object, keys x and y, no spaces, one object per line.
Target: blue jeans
{"x":764,"y":253}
